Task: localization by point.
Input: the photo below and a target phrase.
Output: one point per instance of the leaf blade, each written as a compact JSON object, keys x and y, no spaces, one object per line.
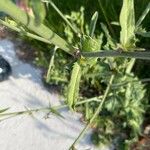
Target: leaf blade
{"x":3,"y":110}
{"x":142,"y":17}
{"x":93,"y":24}
{"x":127,"y":22}
{"x":73,"y":88}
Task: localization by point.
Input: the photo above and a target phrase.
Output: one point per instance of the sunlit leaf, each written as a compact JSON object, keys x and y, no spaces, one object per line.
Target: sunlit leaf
{"x":127,"y":22}
{"x":73,"y":88}
{"x":93,"y":23}
{"x":90,"y":44}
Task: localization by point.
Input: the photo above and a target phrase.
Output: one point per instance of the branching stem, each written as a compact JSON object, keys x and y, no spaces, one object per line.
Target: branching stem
{"x":96,"y":112}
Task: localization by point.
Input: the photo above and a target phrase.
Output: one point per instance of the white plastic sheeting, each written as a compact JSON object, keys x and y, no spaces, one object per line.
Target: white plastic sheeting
{"x":26,"y":132}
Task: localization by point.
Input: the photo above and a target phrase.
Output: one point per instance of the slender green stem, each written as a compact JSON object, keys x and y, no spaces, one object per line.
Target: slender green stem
{"x":51,"y":63}
{"x":130,"y":65}
{"x":93,"y":99}
{"x":24,"y":32}
{"x":144,"y":34}
{"x":125,"y":83}
{"x":59,"y":79}
{"x":106,"y":18}
{"x":145,"y":12}
{"x":63,"y":17}
{"x":111,"y":53}
{"x":32,"y":110}
{"x":13,"y":114}
{"x":87,"y":114}
{"x":95,"y":114}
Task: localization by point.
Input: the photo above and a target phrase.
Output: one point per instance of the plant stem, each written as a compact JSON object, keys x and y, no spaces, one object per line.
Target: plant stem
{"x":93,"y":99}
{"x":106,"y":18}
{"x":32,"y":110}
{"x":24,"y":32}
{"x":59,"y":79}
{"x":63,"y":17}
{"x":130,"y":65}
{"x":127,"y":82}
{"x":13,"y":114}
{"x":111,"y":53}
{"x":96,"y":112}
{"x":51,"y":63}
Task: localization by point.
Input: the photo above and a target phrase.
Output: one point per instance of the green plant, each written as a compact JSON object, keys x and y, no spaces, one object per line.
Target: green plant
{"x":96,"y":70}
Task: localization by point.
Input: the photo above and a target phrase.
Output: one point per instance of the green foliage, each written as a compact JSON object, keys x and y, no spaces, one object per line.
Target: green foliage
{"x":73,"y":88}
{"x":3,"y":110}
{"x":90,"y":44}
{"x":122,"y":113}
{"x":51,"y":64}
{"x":144,"y":14}
{"x":29,"y":22}
{"x":127,"y":22}
{"x":111,"y":43}
{"x":38,"y":11}
{"x":93,"y":24}
{"x":86,"y":80}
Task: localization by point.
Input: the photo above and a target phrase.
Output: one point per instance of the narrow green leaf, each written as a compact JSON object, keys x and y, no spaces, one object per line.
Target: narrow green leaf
{"x":127,"y":22}
{"x":144,"y":34}
{"x":73,"y":88}
{"x":17,"y":28}
{"x":93,"y":24}
{"x":105,"y":13}
{"x":87,"y":111}
{"x":54,"y":111}
{"x":3,"y":110}
{"x":38,"y":11}
{"x":74,"y":29}
{"x":51,"y":64}
{"x":110,"y":40}
{"x":142,"y":17}
{"x":115,"y":23}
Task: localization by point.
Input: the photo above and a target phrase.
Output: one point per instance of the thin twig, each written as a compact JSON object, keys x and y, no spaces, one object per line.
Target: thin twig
{"x":125,"y":83}
{"x":51,"y":64}
{"x":33,"y":110}
{"x":95,"y":114}
{"x":18,"y":113}
{"x":142,"y":17}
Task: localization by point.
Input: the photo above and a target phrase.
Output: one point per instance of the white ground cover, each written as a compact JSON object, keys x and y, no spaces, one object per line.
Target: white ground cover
{"x":23,"y":90}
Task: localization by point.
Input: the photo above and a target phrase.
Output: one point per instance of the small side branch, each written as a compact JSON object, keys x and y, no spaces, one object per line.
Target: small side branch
{"x":111,"y":53}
